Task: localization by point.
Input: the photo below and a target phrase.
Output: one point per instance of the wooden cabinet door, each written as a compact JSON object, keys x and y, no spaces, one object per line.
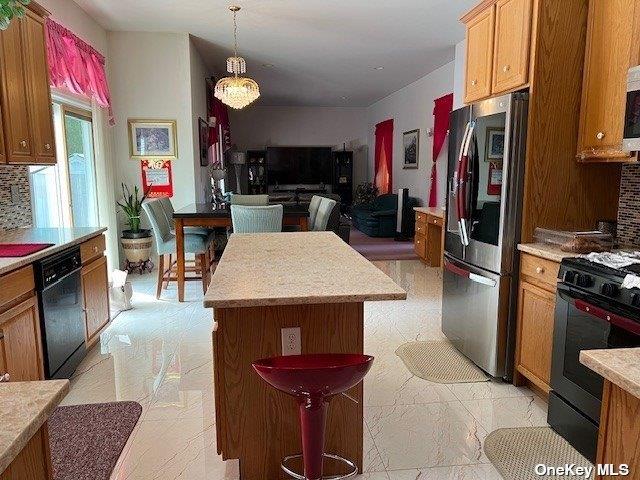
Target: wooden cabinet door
{"x":15,"y":96}
{"x":41,"y":112}
{"x":512,"y":45}
{"x":434,"y":243}
{"x":479,"y":55}
{"x":95,"y":291}
{"x":609,"y":51}
{"x":33,"y":462}
{"x":420,"y":246}
{"x":3,"y":359}
{"x":20,"y":326}
{"x":3,"y":156}
{"x":536,"y":312}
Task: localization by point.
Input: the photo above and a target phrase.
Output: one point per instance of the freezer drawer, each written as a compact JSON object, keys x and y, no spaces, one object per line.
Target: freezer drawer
{"x":475,"y":311}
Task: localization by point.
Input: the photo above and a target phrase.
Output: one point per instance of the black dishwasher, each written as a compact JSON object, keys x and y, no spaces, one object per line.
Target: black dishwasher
{"x":58,"y":281}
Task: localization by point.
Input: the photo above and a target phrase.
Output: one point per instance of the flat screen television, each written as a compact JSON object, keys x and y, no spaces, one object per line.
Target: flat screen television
{"x":299,"y":165}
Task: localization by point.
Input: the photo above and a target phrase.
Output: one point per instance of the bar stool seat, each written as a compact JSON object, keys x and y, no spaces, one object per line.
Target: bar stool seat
{"x":314,"y":380}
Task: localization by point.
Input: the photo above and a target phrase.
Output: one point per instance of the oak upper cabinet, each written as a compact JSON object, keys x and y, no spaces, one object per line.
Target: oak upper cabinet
{"x":511,"y":45}
{"x":95,"y":286}
{"x":21,"y":350}
{"x":25,"y":97}
{"x":480,"y":32}
{"x":612,"y":48}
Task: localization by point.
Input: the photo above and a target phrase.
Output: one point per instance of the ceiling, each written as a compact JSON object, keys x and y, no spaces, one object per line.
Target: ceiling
{"x":307,"y":52}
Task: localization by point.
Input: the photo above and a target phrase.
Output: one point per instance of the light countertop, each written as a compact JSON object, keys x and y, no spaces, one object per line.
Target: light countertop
{"x":621,"y":366}
{"x":546,"y":251}
{"x":60,"y":237}
{"x":295,"y":268}
{"x":24,"y":407}
{"x":435,"y":211}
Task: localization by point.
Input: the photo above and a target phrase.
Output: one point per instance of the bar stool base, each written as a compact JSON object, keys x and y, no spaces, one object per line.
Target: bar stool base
{"x":297,"y":476}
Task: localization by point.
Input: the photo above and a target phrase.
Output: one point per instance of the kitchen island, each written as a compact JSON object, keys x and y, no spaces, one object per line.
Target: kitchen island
{"x":264,"y":283}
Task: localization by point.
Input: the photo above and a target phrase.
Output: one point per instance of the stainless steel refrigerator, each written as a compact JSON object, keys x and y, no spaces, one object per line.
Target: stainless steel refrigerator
{"x":487,"y":143}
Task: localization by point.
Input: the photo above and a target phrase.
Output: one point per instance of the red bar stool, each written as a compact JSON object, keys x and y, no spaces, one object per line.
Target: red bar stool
{"x":314,"y":380}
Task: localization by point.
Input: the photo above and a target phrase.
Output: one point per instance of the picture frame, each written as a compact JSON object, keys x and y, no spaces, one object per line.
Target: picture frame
{"x":411,"y":149}
{"x":494,"y":144}
{"x":203,"y":129}
{"x":152,"y":138}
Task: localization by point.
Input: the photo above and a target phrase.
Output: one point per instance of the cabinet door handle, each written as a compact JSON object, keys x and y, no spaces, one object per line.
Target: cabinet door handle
{"x":600,"y":135}
{"x":506,"y":68}
{"x":540,"y":270}
{"x":47,"y":146}
{"x":5,"y":378}
{"x":474,"y":82}
{"x":23,"y":144}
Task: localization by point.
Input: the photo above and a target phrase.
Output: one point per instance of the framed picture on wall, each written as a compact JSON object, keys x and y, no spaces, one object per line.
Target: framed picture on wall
{"x":411,"y":145}
{"x":152,"y":138}
{"x":494,"y":144}
{"x":203,"y":128}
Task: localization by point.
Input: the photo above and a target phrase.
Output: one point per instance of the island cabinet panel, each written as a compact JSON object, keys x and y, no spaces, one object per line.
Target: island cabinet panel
{"x":618,"y":439}
{"x":512,"y":45}
{"x":612,"y":48}
{"x":255,"y":422}
{"x":20,"y":327}
{"x":95,"y":285}
{"x":479,"y":55}
{"x":3,"y":155}
{"x":33,"y":462}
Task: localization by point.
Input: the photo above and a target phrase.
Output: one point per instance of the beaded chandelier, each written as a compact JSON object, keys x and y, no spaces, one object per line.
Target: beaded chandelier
{"x":236,"y":91}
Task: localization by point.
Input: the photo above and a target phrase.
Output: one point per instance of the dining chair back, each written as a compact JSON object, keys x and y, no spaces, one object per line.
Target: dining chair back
{"x":324,"y":213}
{"x":250,"y":200}
{"x":159,"y":223}
{"x":313,"y":209}
{"x":256,"y":219}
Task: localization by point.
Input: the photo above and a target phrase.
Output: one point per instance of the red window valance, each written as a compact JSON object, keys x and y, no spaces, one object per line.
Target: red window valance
{"x":76,"y":66}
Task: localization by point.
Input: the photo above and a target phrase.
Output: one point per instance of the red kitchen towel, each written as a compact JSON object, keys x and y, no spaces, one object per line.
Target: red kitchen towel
{"x":21,"y":249}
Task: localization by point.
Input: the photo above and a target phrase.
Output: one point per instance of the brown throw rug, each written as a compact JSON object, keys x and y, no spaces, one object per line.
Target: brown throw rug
{"x":86,"y":440}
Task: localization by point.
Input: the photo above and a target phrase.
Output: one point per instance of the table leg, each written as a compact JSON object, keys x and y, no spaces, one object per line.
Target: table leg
{"x":304,"y":224}
{"x":179,"y":223}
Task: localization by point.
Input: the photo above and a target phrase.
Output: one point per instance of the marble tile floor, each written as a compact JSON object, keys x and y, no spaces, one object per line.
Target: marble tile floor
{"x":159,"y":354}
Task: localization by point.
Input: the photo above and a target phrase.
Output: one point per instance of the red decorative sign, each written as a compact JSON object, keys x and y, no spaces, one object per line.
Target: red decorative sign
{"x":495,"y":178}
{"x":157,"y":176}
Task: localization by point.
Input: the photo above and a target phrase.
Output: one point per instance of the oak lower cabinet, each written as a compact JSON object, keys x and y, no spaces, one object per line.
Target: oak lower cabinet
{"x":428,"y":242}
{"x":536,"y":315}
{"x":20,"y":346}
{"x":613,"y":39}
{"x":95,"y":287}
{"x":34,"y":461}
{"x":25,"y":95}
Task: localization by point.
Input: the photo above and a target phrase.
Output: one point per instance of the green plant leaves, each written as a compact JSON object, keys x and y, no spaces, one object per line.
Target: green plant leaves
{"x":9,"y":9}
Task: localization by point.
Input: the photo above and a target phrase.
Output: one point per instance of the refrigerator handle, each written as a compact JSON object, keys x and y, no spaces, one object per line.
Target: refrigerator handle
{"x":463,"y":180}
{"x":461,"y":272}
{"x":457,"y":179}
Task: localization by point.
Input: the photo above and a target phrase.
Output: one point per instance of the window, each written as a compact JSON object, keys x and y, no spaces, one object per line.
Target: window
{"x":65,"y":195}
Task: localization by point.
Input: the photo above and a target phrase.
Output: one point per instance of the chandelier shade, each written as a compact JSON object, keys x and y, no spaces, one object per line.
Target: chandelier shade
{"x":236,"y":91}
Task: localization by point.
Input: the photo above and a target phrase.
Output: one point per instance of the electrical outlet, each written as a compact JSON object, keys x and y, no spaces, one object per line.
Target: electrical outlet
{"x":15,"y":195}
{"x":291,"y":341}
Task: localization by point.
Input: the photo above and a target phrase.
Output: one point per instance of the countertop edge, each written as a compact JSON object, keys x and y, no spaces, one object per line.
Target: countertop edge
{"x":29,"y":259}
{"x":589,"y":358}
{"x":545,"y":251}
{"x":279,"y":302}
{"x":14,"y":449}
{"x":436,"y":211}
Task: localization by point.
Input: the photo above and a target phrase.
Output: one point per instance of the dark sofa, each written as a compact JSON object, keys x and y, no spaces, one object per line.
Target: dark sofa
{"x":379,"y":218}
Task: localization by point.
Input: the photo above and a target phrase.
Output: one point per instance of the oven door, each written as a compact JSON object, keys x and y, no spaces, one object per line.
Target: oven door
{"x":584,"y":322}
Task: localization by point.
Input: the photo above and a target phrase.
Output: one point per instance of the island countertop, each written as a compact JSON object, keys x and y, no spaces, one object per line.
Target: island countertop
{"x":24,"y":407}
{"x":621,"y":366}
{"x":60,"y":238}
{"x":295,"y":268}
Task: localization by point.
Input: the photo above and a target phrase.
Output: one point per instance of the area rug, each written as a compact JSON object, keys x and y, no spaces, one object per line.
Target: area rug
{"x":374,"y":248}
{"x":515,"y":452}
{"x":440,"y":362}
{"x":86,"y":440}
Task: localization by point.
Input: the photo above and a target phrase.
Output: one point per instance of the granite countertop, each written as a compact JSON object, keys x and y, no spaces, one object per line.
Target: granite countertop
{"x":24,"y":407}
{"x":621,"y":366}
{"x":293,"y":269}
{"x":546,"y":251}
{"x":60,"y":237}
{"x":435,"y":211}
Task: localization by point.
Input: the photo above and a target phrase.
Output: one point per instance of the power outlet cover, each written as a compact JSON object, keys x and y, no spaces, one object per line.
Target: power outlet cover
{"x":291,"y":341}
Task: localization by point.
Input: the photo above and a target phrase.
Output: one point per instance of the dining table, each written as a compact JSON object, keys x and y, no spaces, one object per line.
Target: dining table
{"x":209,"y":215}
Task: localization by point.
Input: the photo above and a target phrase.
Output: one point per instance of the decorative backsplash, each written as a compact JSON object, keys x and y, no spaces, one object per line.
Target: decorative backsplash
{"x":14,"y":215}
{"x":629,"y":206}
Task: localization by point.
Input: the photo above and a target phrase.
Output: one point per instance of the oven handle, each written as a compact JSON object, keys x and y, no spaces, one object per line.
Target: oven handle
{"x":612,"y":318}
{"x":461,"y":272}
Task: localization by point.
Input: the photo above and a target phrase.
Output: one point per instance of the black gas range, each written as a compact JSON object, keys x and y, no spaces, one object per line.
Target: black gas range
{"x":593,"y":311}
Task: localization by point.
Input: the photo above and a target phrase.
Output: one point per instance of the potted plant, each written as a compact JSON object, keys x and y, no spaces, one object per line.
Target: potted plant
{"x":10,"y":9}
{"x":136,"y":241}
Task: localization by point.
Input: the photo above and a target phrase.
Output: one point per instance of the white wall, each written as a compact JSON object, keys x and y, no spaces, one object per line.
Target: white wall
{"x":256,"y":127}
{"x":411,"y":108}
{"x":459,"y":74}
{"x":151,"y":79}
{"x":198,"y":73}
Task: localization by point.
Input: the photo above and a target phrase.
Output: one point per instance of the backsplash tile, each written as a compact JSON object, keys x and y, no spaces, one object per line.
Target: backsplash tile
{"x":12,"y":215}
{"x":629,"y":206}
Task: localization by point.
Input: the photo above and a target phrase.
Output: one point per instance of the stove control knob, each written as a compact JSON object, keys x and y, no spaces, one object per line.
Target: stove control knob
{"x":610,"y":290}
{"x":569,"y":276}
{"x":635,"y":300}
{"x":583,"y":280}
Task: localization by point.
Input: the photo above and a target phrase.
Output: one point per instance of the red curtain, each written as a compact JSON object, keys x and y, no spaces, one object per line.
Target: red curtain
{"x":384,"y":157}
{"x":76,"y":66}
{"x":219,"y":127}
{"x":441,"y":112}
